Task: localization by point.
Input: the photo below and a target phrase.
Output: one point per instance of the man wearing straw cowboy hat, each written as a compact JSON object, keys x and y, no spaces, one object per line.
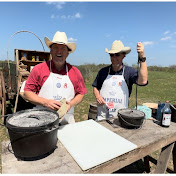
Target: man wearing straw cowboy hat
{"x":55,"y":80}
{"x":113,"y":84}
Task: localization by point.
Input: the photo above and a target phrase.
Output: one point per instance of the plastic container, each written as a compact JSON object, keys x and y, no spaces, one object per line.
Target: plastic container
{"x":24,"y":57}
{"x":160,"y":107}
{"x":37,"y":58}
{"x":166,"y":115}
{"x":33,"y":58}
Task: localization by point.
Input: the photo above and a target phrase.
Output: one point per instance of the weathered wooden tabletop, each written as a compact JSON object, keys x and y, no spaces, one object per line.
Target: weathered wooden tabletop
{"x":149,"y":138}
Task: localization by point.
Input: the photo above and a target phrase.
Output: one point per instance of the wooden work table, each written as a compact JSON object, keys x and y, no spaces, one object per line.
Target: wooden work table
{"x":150,"y":138}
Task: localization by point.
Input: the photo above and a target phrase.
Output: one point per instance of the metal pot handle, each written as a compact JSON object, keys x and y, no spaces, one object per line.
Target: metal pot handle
{"x":131,"y":123}
{"x":55,"y":127}
{"x":5,"y":117}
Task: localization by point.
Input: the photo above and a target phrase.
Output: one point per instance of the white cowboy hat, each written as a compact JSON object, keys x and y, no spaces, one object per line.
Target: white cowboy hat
{"x":60,"y":38}
{"x":117,"y":47}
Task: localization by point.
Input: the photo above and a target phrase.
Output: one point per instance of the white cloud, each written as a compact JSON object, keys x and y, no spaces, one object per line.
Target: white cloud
{"x":107,"y":35}
{"x":148,"y":43}
{"x":166,"y":32}
{"x":59,"y":5}
{"x":166,"y":38}
{"x":72,"y":39}
{"x":77,"y":15}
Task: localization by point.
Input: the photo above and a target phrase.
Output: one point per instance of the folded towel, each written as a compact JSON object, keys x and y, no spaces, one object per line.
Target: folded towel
{"x":146,"y":110}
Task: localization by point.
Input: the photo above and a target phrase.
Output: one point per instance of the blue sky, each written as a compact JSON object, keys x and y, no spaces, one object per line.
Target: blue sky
{"x":93,"y":26}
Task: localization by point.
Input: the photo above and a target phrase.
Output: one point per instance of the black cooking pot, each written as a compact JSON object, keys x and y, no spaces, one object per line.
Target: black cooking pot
{"x":33,"y":132}
{"x":131,"y":118}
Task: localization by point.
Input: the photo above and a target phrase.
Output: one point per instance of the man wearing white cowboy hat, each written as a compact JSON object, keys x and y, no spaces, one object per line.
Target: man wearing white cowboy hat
{"x":56,"y":80}
{"x":113,"y":84}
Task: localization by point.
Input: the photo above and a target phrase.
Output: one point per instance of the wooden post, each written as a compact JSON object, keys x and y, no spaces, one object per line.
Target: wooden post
{"x":147,"y":164}
{"x":2,"y":95}
{"x":174,"y":157}
{"x":18,"y":92}
{"x":163,"y":159}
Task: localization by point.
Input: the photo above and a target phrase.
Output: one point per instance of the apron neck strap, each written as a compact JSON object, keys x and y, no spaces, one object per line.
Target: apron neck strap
{"x":65,"y":65}
{"x":50,"y":66}
{"x":66,"y":68}
{"x":122,"y":71}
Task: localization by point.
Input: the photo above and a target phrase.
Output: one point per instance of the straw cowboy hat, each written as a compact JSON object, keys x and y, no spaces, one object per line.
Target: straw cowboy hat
{"x":117,"y":47}
{"x":60,"y":38}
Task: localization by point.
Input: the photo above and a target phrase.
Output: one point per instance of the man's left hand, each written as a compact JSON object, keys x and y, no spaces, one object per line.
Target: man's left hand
{"x":140,"y":49}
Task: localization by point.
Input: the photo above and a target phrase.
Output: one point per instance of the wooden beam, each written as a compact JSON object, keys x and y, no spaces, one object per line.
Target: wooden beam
{"x":164,"y":158}
{"x":154,"y":161}
{"x":18,"y":92}
{"x":3,"y":93}
{"x":0,"y":88}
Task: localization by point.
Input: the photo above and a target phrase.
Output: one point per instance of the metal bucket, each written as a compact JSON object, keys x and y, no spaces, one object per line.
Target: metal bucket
{"x":93,"y":111}
{"x":33,"y":132}
{"x":131,"y":118}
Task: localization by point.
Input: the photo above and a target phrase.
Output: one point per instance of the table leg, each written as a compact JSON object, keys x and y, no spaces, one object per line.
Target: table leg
{"x":174,"y":157}
{"x":147,"y":164}
{"x":18,"y":92}
{"x":163,"y":159}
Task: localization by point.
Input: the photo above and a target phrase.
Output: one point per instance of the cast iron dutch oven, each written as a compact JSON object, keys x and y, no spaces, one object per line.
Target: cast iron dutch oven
{"x":33,"y":132}
{"x":131,"y":118}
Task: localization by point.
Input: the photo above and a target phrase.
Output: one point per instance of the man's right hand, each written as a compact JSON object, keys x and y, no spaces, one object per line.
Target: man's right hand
{"x":52,"y":104}
{"x":100,"y":100}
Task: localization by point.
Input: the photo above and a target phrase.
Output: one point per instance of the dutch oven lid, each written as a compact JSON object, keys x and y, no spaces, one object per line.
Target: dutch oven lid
{"x":131,"y":113}
{"x":32,"y":118}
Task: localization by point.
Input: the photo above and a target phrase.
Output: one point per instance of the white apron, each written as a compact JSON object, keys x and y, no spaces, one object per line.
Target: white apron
{"x":58,"y":87}
{"x":115,"y":93}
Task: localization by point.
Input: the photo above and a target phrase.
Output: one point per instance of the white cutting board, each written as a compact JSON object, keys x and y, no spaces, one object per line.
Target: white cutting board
{"x":91,"y":144}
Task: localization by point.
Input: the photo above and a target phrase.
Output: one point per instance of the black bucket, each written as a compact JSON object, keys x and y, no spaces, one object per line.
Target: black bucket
{"x":131,"y":118}
{"x":35,"y":138}
{"x":92,"y":111}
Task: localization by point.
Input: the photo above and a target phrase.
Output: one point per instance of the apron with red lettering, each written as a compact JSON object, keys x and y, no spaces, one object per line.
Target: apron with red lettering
{"x":115,"y":93}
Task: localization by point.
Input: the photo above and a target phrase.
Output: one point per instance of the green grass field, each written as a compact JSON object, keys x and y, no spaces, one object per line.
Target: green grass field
{"x":161,"y":87}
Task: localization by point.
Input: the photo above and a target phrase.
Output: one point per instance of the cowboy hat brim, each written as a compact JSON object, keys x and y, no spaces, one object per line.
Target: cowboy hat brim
{"x":71,"y":46}
{"x":126,"y":50}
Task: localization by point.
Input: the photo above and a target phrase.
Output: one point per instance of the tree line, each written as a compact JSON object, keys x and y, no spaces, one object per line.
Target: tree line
{"x":88,"y":70}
